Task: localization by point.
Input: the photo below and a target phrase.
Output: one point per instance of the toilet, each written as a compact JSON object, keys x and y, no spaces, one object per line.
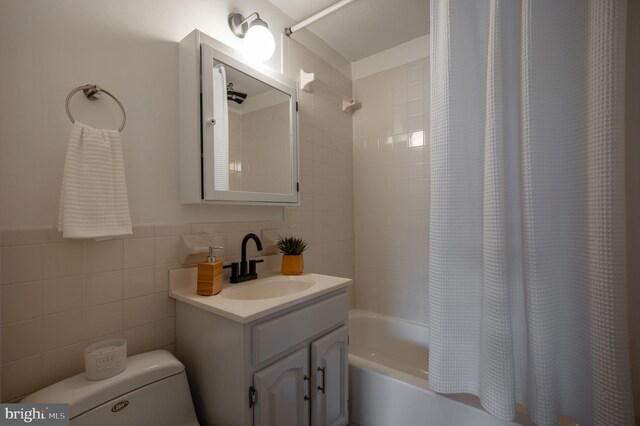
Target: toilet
{"x":153,"y":390}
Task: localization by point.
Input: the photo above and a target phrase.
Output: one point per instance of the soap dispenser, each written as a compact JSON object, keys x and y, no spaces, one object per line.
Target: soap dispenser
{"x":210,"y":275}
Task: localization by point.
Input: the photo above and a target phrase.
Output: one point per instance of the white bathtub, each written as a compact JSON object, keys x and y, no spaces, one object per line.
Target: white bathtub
{"x":388,"y":379}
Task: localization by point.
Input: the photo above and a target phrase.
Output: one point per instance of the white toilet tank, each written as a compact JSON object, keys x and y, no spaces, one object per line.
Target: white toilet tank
{"x":153,"y":390}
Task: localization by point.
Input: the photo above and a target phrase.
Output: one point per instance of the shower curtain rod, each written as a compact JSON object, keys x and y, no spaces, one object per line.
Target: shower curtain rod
{"x":290,"y":30}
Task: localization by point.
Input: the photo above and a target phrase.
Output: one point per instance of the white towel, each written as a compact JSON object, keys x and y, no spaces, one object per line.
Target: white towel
{"x":93,"y":199}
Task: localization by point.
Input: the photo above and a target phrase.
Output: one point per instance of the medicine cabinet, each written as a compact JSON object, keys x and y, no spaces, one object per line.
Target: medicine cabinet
{"x":237,"y":127}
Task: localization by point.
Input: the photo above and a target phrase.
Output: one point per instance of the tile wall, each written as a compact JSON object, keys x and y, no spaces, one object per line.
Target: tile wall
{"x":58,"y":296}
{"x":391,"y":191}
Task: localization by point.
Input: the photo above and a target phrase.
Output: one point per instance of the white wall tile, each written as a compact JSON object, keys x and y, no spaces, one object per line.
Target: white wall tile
{"x":54,"y":236}
{"x":21,"y":377}
{"x":63,"y":294}
{"x":207,"y":228}
{"x":391,"y":190}
{"x":142,"y":231}
{"x":139,"y":252}
{"x":63,"y":259}
{"x":59,"y":364}
{"x":162,"y":276}
{"x":171,"y":230}
{"x":166,"y":250}
{"x":139,"y":282}
{"x":139,"y":310}
{"x":140,"y":339}
{"x":165,"y":307}
{"x":105,"y":319}
{"x":64,"y":329}
{"x":21,"y":263}
{"x":104,"y":287}
{"x":103,"y":256}
{"x":19,"y":237}
{"x":165,"y":331}
{"x":21,"y":302}
{"x":21,"y":340}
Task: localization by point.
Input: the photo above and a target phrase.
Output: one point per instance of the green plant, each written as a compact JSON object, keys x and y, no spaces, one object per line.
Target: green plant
{"x":291,"y":246}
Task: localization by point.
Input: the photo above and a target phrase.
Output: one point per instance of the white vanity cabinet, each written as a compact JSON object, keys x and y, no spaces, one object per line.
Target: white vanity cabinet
{"x":283,"y":389}
{"x":329,"y":366}
{"x":289,"y":388}
{"x":286,"y":368}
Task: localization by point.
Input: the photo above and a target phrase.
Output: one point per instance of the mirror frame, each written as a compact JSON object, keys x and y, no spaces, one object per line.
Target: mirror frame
{"x":194,"y":189}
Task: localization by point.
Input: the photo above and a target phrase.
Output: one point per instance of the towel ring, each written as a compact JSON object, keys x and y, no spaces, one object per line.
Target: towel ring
{"x":92,"y":92}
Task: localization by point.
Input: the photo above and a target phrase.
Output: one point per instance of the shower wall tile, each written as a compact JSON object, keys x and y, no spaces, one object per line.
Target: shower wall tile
{"x":391,"y":191}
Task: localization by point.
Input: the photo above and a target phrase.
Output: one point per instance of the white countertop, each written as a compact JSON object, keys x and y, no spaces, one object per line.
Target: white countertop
{"x":183,"y":282}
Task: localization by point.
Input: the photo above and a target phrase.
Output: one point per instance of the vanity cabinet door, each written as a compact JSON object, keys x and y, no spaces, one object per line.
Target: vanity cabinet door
{"x":282,"y":392}
{"x":329,"y":369}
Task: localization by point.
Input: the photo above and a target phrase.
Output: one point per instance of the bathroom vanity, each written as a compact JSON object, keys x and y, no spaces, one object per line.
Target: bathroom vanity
{"x":272,"y":351}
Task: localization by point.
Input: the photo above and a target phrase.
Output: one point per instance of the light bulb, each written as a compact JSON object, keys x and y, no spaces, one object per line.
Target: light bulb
{"x":259,"y":43}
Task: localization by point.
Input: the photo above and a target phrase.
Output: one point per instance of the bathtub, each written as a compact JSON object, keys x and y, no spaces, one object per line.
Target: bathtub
{"x":388,"y":378}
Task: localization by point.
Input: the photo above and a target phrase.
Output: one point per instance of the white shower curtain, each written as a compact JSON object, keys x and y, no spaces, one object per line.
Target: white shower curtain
{"x":527,"y":279}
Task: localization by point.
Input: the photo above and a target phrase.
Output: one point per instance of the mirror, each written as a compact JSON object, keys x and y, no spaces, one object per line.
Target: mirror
{"x":257,"y":131}
{"x":249,"y":132}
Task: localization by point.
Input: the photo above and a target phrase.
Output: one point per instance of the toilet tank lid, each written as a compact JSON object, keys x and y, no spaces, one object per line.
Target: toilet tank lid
{"x":83,"y":395}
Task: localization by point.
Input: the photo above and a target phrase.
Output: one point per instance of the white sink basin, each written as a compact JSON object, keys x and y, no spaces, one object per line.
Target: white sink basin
{"x":251,"y":300}
{"x":267,"y":288}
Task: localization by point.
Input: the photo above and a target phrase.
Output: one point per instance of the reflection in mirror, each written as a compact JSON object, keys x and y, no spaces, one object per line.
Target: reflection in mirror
{"x":253,"y":146}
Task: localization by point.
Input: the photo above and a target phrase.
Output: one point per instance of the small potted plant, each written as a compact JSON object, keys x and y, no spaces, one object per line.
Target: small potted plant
{"x":292,"y":259}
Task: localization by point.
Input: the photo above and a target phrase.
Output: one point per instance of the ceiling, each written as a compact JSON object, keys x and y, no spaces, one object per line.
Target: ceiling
{"x":363,"y":27}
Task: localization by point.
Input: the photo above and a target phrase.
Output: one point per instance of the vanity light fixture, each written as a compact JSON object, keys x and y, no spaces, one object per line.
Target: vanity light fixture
{"x":259,"y":43}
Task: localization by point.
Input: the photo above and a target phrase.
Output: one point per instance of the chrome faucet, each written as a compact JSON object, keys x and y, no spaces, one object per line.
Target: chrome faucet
{"x":246,"y":273}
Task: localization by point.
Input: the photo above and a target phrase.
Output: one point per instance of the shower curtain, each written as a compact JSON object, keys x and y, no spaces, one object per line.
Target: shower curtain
{"x":527,"y":277}
{"x":221,"y":129}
